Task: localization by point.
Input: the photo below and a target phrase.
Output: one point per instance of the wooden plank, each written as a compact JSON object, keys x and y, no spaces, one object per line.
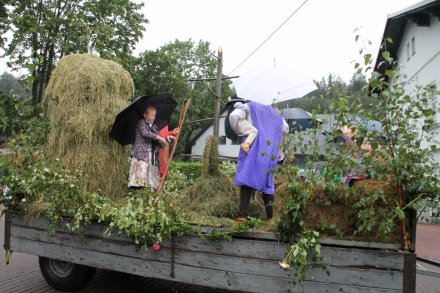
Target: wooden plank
{"x":192,"y":275}
{"x":323,"y":240}
{"x":104,"y":245}
{"x":314,"y":287}
{"x":356,"y":257}
{"x":274,"y":251}
{"x":161,"y":270}
{"x":369,"y":277}
{"x":239,"y":247}
{"x":334,"y":256}
{"x":360,"y":244}
{"x":339,"y":275}
{"x":409,"y":273}
{"x":93,"y":229}
{"x":98,"y":229}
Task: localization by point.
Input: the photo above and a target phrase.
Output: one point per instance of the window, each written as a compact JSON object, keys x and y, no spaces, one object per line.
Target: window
{"x":237,"y":141}
{"x":408,"y":53}
{"x":222,"y":139}
{"x":413,"y":46}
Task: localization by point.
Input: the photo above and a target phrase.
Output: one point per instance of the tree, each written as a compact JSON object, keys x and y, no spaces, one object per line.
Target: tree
{"x":47,"y":30}
{"x":3,"y":22}
{"x":11,"y":86}
{"x":169,"y":69}
{"x":331,"y":89}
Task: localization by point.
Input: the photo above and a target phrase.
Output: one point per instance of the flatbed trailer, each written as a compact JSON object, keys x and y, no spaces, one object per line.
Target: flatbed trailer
{"x":247,"y":263}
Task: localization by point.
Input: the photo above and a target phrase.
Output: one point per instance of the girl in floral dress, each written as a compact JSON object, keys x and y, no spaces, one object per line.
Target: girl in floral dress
{"x":144,"y":169}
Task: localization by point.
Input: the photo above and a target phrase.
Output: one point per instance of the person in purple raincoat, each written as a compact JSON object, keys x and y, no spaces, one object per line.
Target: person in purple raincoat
{"x":256,"y":169}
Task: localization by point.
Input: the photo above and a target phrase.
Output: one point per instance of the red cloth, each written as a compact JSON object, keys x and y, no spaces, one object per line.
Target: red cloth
{"x":164,"y":152}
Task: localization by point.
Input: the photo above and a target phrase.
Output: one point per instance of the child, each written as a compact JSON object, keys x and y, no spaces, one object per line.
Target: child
{"x":240,"y":123}
{"x":144,"y":169}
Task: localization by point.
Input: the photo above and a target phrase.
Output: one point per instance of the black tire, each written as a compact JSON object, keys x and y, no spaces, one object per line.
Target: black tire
{"x":65,"y":276}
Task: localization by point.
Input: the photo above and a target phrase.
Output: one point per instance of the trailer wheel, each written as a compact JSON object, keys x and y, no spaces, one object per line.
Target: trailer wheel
{"x":65,"y":276}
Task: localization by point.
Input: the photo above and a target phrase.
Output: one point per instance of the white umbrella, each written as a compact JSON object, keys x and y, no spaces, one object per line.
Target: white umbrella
{"x":268,"y":85}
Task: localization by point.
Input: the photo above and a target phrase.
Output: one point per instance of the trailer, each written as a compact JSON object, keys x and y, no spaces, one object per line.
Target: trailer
{"x":247,"y":263}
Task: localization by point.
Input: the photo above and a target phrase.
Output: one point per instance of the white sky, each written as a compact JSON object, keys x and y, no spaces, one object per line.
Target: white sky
{"x":317,"y":40}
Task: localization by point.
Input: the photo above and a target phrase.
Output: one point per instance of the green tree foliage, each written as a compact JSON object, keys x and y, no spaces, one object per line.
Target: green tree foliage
{"x":170,"y":69}
{"x":3,"y":22}
{"x":331,"y":89}
{"x":8,"y":113}
{"x":11,"y":86}
{"x":46,"y":30}
{"x":20,"y":122}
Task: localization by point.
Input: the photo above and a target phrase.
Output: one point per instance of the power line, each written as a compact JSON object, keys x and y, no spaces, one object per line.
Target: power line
{"x":270,"y":36}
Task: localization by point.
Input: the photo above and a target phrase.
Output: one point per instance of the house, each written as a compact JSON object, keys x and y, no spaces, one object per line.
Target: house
{"x":227,"y":149}
{"x":415,"y":34}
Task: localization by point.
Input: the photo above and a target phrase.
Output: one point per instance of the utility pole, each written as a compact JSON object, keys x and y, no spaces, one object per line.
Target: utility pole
{"x":218,"y":91}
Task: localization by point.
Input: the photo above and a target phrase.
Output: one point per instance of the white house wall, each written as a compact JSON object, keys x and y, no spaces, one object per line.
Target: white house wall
{"x":225,"y":150}
{"x":422,"y":68}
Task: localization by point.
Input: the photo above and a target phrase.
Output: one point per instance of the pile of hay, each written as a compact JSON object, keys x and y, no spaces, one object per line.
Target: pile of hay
{"x":333,"y":212}
{"x":82,"y":98}
{"x":213,"y":193}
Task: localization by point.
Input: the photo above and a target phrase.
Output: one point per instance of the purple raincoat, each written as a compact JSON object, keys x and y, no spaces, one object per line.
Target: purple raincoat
{"x":256,"y":169}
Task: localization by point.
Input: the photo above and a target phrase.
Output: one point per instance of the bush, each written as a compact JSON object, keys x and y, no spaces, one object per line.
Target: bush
{"x":192,"y":170}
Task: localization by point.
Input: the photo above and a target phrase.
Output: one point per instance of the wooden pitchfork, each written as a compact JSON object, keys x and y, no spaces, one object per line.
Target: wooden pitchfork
{"x":185,"y":106}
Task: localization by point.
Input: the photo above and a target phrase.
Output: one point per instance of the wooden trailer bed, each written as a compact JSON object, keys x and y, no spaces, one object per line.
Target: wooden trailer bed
{"x":248,"y":263}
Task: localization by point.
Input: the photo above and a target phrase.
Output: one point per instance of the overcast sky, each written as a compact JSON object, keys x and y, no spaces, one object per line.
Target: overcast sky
{"x":317,"y":40}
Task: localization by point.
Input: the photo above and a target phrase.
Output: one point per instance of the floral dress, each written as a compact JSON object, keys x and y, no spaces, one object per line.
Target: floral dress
{"x":144,"y":168}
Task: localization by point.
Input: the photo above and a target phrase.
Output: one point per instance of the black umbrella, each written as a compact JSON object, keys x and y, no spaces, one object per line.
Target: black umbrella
{"x":124,"y":127}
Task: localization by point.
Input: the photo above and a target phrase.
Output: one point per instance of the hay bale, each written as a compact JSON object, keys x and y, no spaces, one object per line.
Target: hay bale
{"x":213,"y":193}
{"x":82,"y":98}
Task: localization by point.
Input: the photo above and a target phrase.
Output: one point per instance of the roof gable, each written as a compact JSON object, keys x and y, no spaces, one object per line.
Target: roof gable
{"x":396,"y":24}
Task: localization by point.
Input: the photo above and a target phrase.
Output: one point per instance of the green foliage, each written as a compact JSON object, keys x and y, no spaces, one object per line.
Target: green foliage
{"x":228,"y":168}
{"x":145,"y":217}
{"x":8,"y":113}
{"x":11,"y":86}
{"x":295,"y":196}
{"x":398,"y":155}
{"x":23,"y":123}
{"x":42,"y":187}
{"x":375,"y":213}
{"x":192,"y":170}
{"x":396,"y":159}
{"x":4,"y":25}
{"x":45,"y":31}
{"x":302,"y":253}
{"x":332,"y":88}
{"x":38,"y":181}
{"x":408,"y":121}
{"x":170,"y":68}
{"x":236,"y":228}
